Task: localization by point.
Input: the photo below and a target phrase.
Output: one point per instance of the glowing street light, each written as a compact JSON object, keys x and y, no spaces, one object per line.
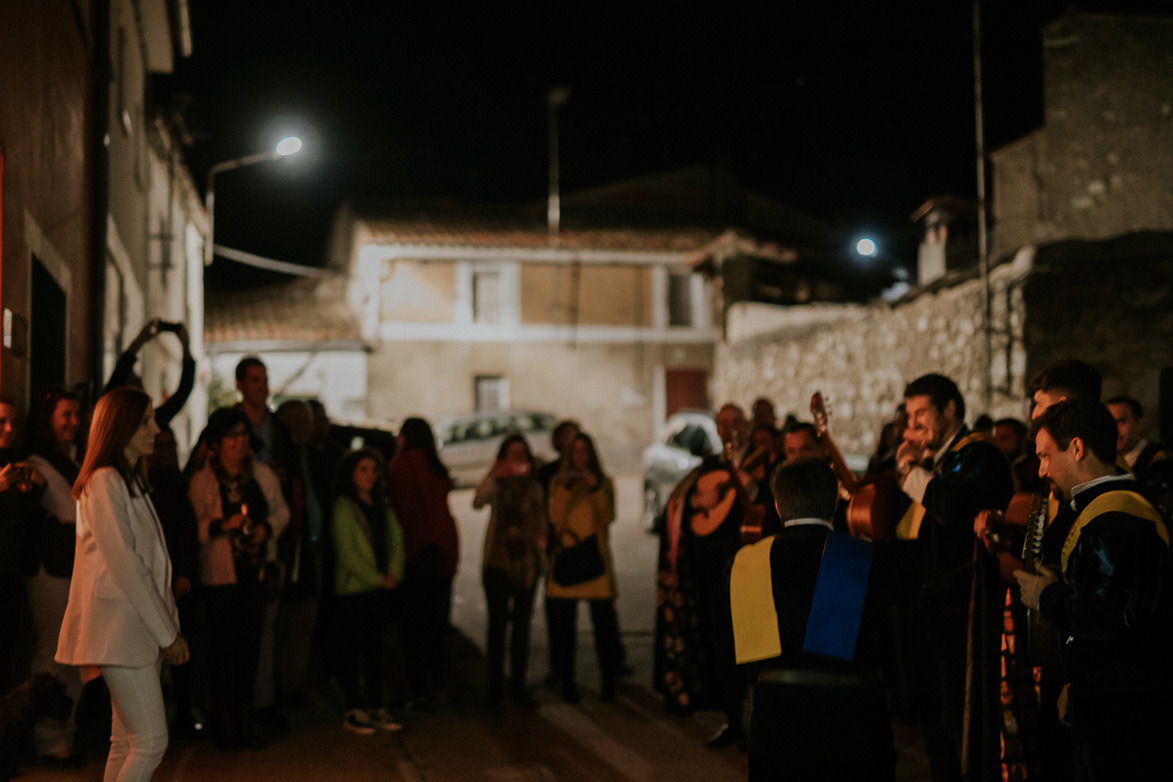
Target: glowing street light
{"x":865,"y":247}
{"x":287,"y":146}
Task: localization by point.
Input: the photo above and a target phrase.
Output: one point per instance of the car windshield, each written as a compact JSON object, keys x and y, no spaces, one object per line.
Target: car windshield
{"x":495,"y":425}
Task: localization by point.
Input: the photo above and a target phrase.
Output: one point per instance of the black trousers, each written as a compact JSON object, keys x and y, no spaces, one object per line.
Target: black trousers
{"x":427,"y":608}
{"x":1122,"y":735}
{"x":235,"y":613}
{"x":362,"y":617}
{"x":13,"y":605}
{"x":805,"y":732}
{"x":943,"y":635}
{"x":562,"y":614}
{"x":508,"y":605}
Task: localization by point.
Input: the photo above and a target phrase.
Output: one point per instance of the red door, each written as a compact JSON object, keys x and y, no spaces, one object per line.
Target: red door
{"x":685,"y":388}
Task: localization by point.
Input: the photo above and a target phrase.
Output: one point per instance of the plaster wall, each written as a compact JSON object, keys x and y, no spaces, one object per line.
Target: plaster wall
{"x":609,"y":388}
{"x":45,"y":139}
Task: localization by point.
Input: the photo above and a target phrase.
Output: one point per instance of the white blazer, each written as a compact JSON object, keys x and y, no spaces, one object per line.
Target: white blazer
{"x":121,"y":610}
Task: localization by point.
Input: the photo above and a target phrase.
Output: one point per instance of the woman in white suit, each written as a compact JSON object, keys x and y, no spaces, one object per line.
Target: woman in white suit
{"x":121,"y":621}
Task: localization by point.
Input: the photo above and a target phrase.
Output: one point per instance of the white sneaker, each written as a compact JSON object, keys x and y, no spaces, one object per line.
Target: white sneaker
{"x":358,"y":721}
{"x":383,"y":720}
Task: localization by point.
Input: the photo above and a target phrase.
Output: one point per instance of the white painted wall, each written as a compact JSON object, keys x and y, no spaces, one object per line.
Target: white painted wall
{"x":336,"y":378}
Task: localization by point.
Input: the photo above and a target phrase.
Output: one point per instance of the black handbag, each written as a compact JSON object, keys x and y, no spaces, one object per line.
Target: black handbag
{"x":578,"y":563}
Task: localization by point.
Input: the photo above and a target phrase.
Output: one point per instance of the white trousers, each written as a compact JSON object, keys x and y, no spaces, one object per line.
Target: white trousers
{"x":139,"y":729}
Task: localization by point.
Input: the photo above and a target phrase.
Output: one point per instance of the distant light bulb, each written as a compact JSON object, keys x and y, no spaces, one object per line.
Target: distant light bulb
{"x":865,"y":247}
{"x":287,"y":146}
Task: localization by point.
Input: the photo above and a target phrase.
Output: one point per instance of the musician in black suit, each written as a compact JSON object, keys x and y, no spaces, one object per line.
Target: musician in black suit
{"x":1150,"y":462}
{"x":814,"y":716}
{"x":1110,"y":598}
{"x":950,"y":475}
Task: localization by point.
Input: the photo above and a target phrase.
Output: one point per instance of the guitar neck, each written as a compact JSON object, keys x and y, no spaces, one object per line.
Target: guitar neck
{"x":1036,"y":525}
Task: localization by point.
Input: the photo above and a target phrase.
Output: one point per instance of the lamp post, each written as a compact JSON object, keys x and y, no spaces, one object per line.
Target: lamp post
{"x":284,"y":148}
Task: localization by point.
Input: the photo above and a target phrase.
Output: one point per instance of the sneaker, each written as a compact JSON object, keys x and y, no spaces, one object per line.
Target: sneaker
{"x":383,"y":720}
{"x":358,"y":721}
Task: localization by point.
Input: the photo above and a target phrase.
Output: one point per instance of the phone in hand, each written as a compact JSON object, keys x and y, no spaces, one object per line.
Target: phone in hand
{"x":512,"y":469}
{"x":167,"y":325}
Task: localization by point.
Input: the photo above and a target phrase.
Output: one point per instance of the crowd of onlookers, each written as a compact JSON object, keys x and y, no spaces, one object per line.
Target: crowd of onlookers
{"x":291,"y":555}
{"x":288,"y":555}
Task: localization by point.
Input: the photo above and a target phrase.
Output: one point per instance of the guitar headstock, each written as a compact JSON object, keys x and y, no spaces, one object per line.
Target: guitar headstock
{"x":1036,"y":525}
{"x":821,"y":411}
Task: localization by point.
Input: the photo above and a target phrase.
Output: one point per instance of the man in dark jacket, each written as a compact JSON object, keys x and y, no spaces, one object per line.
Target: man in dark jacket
{"x":816,"y":714}
{"x":1110,"y":600}
{"x":950,"y":475}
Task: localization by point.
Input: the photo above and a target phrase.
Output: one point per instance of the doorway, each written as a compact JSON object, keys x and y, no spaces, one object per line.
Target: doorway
{"x":47,"y":330}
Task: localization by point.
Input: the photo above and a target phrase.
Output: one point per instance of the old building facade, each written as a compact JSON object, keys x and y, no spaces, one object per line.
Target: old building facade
{"x":102,"y":224}
{"x":474,"y":311}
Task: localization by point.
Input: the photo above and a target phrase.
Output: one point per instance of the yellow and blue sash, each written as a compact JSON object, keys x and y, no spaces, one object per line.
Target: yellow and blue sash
{"x":836,"y":608}
{"x":1121,"y":501}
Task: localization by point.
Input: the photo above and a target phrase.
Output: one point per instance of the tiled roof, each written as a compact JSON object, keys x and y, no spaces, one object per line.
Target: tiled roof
{"x":310,"y":310}
{"x":674,"y":211}
{"x":443,"y":224}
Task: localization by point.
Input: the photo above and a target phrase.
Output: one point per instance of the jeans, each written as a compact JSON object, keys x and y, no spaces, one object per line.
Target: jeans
{"x":507,"y":604}
{"x":361,"y":619}
{"x":139,"y":727}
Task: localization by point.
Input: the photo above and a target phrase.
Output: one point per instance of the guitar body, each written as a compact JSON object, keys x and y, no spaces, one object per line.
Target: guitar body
{"x":874,"y":507}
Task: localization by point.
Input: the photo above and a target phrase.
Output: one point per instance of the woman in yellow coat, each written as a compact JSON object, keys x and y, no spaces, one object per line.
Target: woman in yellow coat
{"x":582,"y":507}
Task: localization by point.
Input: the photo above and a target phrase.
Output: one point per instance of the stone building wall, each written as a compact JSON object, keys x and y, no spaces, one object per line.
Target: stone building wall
{"x":1108,"y":303}
{"x":862,"y":356}
{"x":1102,"y":165}
{"x":1111,"y":304}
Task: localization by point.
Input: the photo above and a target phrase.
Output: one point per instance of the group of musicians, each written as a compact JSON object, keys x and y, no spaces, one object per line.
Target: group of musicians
{"x":1045,"y":659}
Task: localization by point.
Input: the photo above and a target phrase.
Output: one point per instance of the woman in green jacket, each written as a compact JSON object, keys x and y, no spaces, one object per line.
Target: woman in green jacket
{"x":369,"y":557}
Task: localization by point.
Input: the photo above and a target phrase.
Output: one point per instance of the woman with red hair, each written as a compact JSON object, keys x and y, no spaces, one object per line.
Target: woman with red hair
{"x":121,"y":621}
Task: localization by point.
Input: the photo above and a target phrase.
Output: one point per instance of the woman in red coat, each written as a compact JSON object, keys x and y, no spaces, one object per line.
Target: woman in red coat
{"x":418,"y":483}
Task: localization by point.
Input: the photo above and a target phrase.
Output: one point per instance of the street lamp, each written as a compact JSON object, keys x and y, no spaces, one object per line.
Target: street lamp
{"x":285,"y":147}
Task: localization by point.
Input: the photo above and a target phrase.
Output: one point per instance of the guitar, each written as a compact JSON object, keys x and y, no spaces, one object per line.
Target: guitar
{"x":875,"y":499}
{"x":1042,"y":638}
{"x":749,"y":467}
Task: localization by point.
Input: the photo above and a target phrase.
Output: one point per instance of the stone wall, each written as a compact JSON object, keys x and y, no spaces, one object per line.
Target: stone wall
{"x":1102,"y":165}
{"x":1108,"y":303}
{"x":1111,"y":304}
{"x":862,"y":356}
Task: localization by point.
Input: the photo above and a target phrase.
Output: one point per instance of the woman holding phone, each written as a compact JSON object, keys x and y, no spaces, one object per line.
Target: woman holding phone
{"x":121,"y":621}
{"x":514,"y":546}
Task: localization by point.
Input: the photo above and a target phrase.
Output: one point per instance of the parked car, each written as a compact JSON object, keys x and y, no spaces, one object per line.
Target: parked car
{"x":688,"y":436}
{"x":468,"y":444}
{"x":379,"y":435}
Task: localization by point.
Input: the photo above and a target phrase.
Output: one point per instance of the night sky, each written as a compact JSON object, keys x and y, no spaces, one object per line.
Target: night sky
{"x":854,"y":111}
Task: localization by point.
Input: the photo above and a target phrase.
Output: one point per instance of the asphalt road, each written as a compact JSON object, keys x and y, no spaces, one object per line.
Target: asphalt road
{"x":630,"y":740}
